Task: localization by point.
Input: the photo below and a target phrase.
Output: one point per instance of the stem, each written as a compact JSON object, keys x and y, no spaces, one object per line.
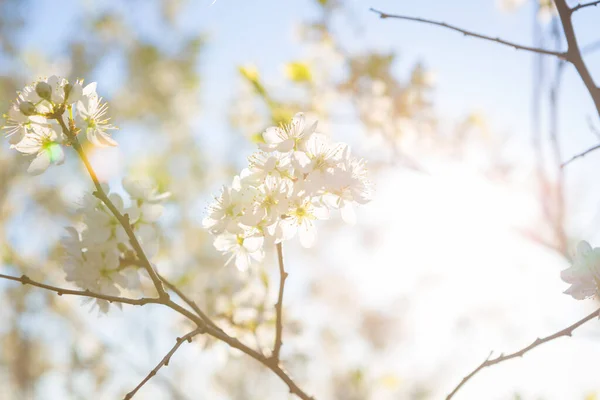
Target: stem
{"x":279,"y":306}
{"x":568,"y":331}
{"x":582,"y":154}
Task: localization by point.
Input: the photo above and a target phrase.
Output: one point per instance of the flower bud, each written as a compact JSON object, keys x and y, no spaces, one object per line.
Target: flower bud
{"x":44,"y":90}
{"x":73,"y":92}
{"x":27,"y":108}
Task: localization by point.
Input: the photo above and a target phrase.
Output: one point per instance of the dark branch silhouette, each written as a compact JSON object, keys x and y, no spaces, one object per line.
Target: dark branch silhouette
{"x":580,"y":155}
{"x":465,"y":32}
{"x":583,"y":5}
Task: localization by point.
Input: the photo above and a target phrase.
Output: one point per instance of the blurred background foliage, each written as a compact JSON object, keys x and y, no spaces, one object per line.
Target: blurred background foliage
{"x":51,"y":347}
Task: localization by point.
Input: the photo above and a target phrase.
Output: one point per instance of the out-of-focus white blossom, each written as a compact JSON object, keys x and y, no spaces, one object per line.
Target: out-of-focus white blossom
{"x":584,"y":274}
{"x":297,"y":178}
{"x":31,"y":122}
{"x":99,"y":256}
{"x":546,"y":8}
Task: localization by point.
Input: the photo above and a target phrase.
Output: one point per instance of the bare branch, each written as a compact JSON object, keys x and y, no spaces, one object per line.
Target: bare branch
{"x":465,"y":32}
{"x":583,"y":5}
{"x":583,"y":154}
{"x":25,"y":280}
{"x":279,"y":306}
{"x":537,"y":342}
{"x":165,"y":361}
{"x":203,"y":326}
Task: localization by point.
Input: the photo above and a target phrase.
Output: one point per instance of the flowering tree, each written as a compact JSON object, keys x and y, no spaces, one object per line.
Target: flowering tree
{"x":117,"y":239}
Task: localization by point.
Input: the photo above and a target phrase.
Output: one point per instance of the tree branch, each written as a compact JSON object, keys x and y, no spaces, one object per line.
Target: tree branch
{"x":208,"y":328}
{"x":583,"y":5}
{"x":465,"y":32}
{"x":574,"y":54}
{"x":279,"y":306}
{"x":537,"y":342}
{"x":583,"y":154}
{"x":202,"y":321}
{"x":165,"y":361}
{"x":25,"y":280}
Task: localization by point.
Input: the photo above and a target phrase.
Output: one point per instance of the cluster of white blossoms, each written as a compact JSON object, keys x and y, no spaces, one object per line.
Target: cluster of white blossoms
{"x":584,"y":274}
{"x":99,"y":256}
{"x":297,"y":177}
{"x":32,"y":122}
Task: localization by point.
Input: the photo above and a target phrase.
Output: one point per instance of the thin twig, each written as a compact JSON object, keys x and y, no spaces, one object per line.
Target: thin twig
{"x":25,"y":280}
{"x":165,"y":361}
{"x":583,"y":154}
{"x":123,"y":219}
{"x":583,"y":5}
{"x":465,"y":32}
{"x":537,"y":342}
{"x":279,"y":306}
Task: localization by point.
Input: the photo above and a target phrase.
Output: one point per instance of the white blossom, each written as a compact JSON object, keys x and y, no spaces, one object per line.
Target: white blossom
{"x":35,"y":121}
{"x":584,"y":274}
{"x":294,"y":181}
{"x":91,"y":117}
{"x":288,"y":138}
{"x":300,"y":218}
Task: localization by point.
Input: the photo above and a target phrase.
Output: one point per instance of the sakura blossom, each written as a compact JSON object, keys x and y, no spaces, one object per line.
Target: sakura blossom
{"x":49,"y":114}
{"x":296,"y":178}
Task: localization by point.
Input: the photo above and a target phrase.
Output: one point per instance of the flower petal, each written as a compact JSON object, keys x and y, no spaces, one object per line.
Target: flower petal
{"x":40,"y":163}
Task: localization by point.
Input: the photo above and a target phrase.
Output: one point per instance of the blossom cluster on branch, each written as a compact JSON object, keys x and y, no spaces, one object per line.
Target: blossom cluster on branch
{"x":32,"y":125}
{"x":99,"y":256}
{"x":296,"y":177}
